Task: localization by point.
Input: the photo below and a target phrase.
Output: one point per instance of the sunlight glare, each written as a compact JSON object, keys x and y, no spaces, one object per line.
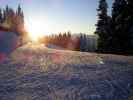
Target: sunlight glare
{"x":36,"y":28}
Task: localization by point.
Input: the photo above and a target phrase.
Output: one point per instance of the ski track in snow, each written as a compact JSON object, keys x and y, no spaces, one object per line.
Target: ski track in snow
{"x":39,"y":73}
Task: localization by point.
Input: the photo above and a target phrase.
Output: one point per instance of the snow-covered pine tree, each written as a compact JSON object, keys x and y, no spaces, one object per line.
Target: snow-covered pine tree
{"x":103,"y":25}
{"x":120,"y":40}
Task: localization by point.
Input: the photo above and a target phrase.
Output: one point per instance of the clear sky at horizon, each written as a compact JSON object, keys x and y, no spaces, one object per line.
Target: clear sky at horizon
{"x":60,"y":15}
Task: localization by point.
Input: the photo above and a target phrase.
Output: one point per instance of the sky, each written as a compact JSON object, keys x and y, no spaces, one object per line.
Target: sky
{"x":55,"y":16}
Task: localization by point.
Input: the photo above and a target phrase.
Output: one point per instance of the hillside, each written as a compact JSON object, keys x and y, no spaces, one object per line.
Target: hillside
{"x":34,"y":72}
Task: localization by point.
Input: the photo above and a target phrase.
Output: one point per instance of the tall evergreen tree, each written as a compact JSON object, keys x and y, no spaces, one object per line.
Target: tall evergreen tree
{"x":7,"y":10}
{"x":19,"y":20}
{"x":20,"y":14}
{"x":1,"y":16}
{"x":119,"y":23}
{"x":102,"y":29}
{"x":19,"y":10}
{"x":130,"y":24}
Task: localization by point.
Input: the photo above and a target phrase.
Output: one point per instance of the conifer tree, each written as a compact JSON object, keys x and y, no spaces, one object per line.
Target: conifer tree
{"x":102,"y":29}
{"x":1,"y":16}
{"x":130,"y":24}
{"x":120,"y":40}
{"x":19,"y":13}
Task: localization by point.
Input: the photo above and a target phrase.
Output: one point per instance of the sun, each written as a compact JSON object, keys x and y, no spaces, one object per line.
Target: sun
{"x":36,"y":28}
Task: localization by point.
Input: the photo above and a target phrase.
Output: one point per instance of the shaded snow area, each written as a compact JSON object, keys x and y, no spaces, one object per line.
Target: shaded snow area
{"x":38,"y":73}
{"x":52,"y":46}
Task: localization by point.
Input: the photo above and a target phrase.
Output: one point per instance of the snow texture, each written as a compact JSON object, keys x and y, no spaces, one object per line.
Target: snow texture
{"x":38,"y":73}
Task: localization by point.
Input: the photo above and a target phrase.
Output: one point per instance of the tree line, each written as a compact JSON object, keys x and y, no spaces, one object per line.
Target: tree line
{"x":115,"y":31}
{"x":12,"y":20}
{"x":64,"y":40}
{"x":77,"y":42}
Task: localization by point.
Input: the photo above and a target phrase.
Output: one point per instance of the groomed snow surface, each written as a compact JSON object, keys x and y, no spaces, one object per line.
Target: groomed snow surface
{"x":34,"y":72}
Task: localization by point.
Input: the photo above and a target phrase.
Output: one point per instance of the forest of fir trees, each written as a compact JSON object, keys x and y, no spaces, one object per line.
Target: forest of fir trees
{"x":115,"y":31}
{"x":12,"y":20}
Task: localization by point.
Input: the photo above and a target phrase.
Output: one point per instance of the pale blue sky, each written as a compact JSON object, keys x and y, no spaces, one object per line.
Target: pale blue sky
{"x":60,"y":15}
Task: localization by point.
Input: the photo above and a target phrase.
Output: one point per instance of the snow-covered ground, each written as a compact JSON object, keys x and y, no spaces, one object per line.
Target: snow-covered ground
{"x":34,"y":72}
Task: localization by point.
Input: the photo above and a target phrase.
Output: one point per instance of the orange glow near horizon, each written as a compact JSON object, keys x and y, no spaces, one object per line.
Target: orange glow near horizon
{"x":36,"y":29}
{"x":39,"y":26}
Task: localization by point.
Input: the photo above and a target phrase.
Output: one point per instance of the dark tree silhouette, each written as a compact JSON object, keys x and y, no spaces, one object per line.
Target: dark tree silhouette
{"x":1,"y":16}
{"x":130,"y":24}
{"x":103,"y":26}
{"x":120,"y":23}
